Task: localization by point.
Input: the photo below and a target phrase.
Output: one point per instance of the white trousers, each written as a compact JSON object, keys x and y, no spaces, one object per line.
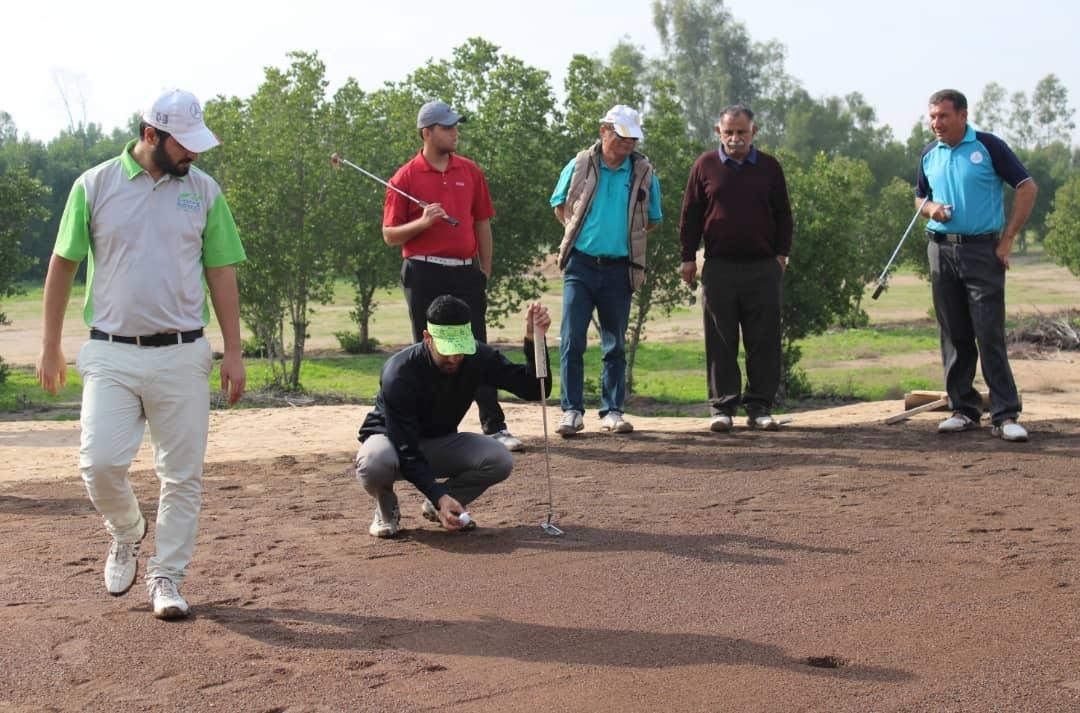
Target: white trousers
{"x":126,"y":387}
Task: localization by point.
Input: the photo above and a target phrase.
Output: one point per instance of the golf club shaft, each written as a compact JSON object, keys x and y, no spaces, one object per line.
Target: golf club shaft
{"x":884,"y":273}
{"x":540,"y":359}
{"x":391,"y":186}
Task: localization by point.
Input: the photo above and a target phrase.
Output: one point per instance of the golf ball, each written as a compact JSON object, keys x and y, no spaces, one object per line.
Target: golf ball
{"x":947,"y":210}
{"x":464,"y":518}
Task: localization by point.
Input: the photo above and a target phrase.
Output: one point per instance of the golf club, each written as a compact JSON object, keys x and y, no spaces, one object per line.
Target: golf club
{"x":336,"y":161}
{"x":540,"y":357}
{"x":883,"y":279}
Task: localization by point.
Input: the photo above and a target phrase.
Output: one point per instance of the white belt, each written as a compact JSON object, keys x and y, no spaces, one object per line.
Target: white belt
{"x":449,"y":261}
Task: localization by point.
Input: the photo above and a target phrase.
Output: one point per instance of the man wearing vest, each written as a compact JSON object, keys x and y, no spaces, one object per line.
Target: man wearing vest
{"x":607,"y":199}
{"x":962,"y":172}
{"x":446,"y":245}
{"x":152,"y":227}
{"x":736,"y":201}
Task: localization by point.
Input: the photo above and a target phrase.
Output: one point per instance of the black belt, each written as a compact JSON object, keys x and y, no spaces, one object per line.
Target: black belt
{"x":601,"y":260}
{"x":162,"y":339}
{"x":959,"y":238}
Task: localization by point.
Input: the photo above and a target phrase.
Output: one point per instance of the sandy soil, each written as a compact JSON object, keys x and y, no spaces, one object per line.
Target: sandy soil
{"x":838,"y":565}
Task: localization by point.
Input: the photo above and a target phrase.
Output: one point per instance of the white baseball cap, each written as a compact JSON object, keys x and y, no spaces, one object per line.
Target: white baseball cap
{"x":179,"y":114}
{"x":627,"y":121}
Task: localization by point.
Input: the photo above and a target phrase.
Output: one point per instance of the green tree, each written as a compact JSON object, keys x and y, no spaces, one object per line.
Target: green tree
{"x":276,"y":173}
{"x":829,"y":199}
{"x":367,"y":128}
{"x":1051,"y":114}
{"x":20,"y":205}
{"x":1063,"y":223}
{"x":989,"y":112}
{"x":883,"y":224}
{"x":672,"y":152}
{"x":713,"y":60}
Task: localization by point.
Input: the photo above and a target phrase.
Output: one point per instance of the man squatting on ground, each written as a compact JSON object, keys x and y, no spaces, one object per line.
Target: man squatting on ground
{"x":962,"y":172}
{"x":607,"y":199}
{"x":737,"y":201}
{"x":438,"y":256}
{"x":424,"y":392}
{"x":152,"y":226}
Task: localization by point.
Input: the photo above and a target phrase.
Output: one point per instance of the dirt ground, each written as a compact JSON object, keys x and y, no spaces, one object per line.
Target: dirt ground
{"x":838,"y":565}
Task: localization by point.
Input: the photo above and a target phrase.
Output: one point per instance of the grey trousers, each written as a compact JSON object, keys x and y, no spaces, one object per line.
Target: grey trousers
{"x":968,"y":282}
{"x":471,"y":463}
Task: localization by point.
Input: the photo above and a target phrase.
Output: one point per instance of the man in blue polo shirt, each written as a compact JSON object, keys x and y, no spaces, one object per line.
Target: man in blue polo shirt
{"x":961,"y":173}
{"x":607,"y":199}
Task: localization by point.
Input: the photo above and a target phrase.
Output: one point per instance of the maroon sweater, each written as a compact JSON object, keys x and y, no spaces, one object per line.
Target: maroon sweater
{"x":742,"y":212}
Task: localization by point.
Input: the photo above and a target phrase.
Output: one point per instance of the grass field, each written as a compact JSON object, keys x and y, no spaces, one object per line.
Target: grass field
{"x":669,"y":377}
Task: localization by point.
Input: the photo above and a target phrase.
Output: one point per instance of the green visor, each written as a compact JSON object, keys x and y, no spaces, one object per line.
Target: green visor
{"x":451,"y":339}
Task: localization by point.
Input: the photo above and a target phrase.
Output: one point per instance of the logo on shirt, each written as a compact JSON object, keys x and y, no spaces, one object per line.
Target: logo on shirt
{"x":459,"y":184}
{"x":189,"y":202}
{"x":976,"y":157}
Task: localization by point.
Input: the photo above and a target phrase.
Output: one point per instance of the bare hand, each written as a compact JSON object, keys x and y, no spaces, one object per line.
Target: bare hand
{"x":782,"y":259}
{"x":1004,"y":247}
{"x":233,"y":376}
{"x":52,"y":370}
{"x":688,"y":270}
{"x":536,"y":319}
{"x":448,"y":511}
{"x":433,"y":213}
{"x":941,"y":213}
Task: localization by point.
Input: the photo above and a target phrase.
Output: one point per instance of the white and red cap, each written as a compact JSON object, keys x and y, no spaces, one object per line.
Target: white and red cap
{"x":625,"y":120}
{"x":179,"y":114}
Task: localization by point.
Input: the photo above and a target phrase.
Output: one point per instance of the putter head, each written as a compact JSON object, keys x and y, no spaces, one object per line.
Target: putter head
{"x":550,"y":529}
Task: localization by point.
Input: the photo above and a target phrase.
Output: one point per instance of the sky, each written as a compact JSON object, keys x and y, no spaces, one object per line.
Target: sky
{"x":110,"y":57}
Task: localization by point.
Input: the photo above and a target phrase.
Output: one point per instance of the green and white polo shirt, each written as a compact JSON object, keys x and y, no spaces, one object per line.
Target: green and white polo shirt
{"x":147,"y":244}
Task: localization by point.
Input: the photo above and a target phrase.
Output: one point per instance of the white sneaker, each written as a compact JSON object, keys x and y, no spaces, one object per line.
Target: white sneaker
{"x":512,"y":443}
{"x":1010,"y":430}
{"x":613,"y":421}
{"x":720,"y":423}
{"x":765,"y":422}
{"x":956,"y":423}
{"x":165,"y":596}
{"x":571,"y":423}
{"x":384,"y":529}
{"x":122,"y":563}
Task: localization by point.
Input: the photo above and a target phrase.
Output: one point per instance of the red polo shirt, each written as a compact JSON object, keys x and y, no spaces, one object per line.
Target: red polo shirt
{"x":463,"y":193}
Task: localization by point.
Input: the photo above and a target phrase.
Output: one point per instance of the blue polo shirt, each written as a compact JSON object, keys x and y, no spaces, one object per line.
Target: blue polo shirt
{"x":968,"y":177}
{"x":604,"y":232}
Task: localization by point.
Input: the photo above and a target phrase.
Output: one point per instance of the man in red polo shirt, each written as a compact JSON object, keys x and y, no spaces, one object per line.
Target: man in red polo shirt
{"x":446,"y":245}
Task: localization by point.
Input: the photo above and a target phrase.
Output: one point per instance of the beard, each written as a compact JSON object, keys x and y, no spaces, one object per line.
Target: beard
{"x":163,"y":162}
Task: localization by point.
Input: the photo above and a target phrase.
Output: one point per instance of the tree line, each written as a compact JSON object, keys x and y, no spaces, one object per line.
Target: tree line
{"x":306,"y":225}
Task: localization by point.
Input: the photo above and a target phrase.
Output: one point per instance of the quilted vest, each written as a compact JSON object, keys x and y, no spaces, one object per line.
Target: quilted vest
{"x":579,"y":198}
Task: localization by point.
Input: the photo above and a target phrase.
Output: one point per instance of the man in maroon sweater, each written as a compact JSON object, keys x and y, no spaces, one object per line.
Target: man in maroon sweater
{"x":737,"y":201}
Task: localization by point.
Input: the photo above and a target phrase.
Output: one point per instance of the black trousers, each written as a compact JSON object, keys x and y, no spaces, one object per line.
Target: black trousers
{"x":746,"y":297}
{"x":968,"y":283}
{"x":422,"y":283}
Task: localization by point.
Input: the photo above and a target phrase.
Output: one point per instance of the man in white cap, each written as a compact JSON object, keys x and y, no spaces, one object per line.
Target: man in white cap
{"x":446,"y":245}
{"x":424,"y":392}
{"x":152,"y":227}
{"x":607,"y":199}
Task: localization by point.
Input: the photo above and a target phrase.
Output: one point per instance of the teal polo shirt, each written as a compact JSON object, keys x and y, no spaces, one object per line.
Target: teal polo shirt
{"x":605,"y":229}
{"x":969,"y":177}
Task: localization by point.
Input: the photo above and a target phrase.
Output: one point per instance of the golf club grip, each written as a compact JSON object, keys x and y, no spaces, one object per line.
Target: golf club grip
{"x":540,"y":353}
{"x":878,"y":291}
{"x":452,"y":221}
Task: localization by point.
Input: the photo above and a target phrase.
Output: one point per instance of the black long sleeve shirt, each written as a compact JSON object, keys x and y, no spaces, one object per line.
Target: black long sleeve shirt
{"x":418,"y":401}
{"x":742,"y":212}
